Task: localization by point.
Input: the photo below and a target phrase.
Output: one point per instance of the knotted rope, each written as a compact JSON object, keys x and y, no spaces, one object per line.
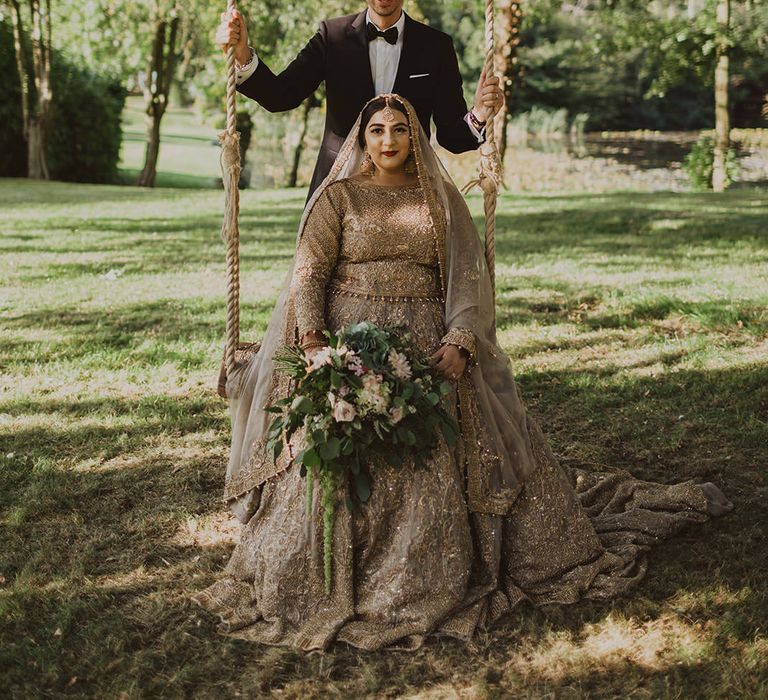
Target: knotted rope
{"x":490,"y":173}
{"x":230,"y":232}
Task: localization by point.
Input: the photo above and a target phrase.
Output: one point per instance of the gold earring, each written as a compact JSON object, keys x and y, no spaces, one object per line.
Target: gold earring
{"x":410,"y":164}
{"x":367,"y":167}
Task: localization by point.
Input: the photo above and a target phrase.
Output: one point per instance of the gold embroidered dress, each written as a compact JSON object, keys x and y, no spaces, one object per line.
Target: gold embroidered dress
{"x":417,"y":560}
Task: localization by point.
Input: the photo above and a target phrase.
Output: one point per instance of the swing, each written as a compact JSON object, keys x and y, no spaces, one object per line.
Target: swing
{"x":238,"y":353}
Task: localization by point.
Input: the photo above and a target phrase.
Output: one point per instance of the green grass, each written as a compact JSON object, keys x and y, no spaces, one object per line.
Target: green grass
{"x":638,"y":331}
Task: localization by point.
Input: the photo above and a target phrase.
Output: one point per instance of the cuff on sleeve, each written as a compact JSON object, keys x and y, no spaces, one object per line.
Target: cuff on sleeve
{"x":463,"y":338}
{"x":479,"y":135}
{"x":242,"y":73}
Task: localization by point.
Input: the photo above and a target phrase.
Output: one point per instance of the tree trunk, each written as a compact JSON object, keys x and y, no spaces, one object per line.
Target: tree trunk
{"x":293,"y":176}
{"x":41,"y":61}
{"x":35,"y":113}
{"x":510,"y":17}
{"x":21,"y":64}
{"x":156,"y":88}
{"x":722,"y":121}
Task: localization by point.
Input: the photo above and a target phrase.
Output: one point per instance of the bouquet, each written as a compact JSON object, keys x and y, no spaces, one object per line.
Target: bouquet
{"x":368,"y":398}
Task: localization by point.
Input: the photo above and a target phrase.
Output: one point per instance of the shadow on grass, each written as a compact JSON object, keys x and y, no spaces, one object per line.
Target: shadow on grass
{"x":645,"y":225}
{"x":143,"y":334}
{"x":65,"y":529}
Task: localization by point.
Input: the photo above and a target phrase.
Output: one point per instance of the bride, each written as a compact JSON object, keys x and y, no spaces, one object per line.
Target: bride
{"x":492,"y":522}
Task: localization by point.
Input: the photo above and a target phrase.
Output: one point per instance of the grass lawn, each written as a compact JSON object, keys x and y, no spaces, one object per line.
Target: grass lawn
{"x":638,"y":329}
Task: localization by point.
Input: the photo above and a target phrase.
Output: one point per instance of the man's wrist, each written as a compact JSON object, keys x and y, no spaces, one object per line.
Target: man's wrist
{"x":244,"y":57}
{"x":477,"y":122}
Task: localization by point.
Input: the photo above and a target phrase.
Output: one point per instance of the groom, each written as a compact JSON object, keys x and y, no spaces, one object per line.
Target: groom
{"x":379,"y":50}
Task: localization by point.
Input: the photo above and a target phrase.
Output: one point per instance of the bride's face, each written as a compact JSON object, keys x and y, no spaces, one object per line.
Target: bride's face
{"x":388,"y":141}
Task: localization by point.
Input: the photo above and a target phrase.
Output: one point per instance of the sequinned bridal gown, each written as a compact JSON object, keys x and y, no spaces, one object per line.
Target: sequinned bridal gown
{"x":445,"y":549}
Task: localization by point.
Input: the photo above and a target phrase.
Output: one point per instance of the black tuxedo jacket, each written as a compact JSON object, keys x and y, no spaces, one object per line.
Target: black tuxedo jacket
{"x":427,"y":76}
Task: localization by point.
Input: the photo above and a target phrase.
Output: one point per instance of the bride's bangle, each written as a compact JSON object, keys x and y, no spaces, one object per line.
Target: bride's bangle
{"x":313,"y":344}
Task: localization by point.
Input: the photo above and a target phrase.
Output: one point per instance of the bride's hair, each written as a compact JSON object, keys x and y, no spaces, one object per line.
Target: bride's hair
{"x":377,"y":105}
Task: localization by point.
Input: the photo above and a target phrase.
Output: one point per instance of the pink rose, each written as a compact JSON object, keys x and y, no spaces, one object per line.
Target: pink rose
{"x":343,"y":411}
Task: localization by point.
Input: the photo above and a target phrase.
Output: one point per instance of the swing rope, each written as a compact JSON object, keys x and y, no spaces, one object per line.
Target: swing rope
{"x":230,"y":232}
{"x":490,"y":173}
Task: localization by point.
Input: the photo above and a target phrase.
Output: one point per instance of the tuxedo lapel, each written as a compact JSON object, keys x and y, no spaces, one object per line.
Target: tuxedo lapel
{"x":407,"y":55}
{"x":360,"y":61}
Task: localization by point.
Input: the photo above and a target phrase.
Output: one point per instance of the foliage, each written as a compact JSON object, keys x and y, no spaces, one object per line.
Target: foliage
{"x":367,"y":398}
{"x":84,"y":141}
{"x":698,"y":164}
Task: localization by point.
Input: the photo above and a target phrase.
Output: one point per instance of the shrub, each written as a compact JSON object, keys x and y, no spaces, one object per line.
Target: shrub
{"x":85,"y":135}
{"x":699,"y":163}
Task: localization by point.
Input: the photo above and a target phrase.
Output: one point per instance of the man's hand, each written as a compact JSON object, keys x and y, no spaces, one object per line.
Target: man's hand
{"x":488,"y":98}
{"x":233,"y":32}
{"x":450,"y":361}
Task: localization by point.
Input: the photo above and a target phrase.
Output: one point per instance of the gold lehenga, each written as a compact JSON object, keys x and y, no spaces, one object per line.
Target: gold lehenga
{"x":417,"y":560}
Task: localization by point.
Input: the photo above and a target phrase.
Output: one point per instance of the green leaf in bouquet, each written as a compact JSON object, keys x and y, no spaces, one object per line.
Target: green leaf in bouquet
{"x":362,"y":487}
{"x":274,"y":409}
{"x":377,"y":428}
{"x":277,"y":448}
{"x":310,"y":458}
{"x":335,"y":379}
{"x":329,"y":450}
{"x":319,"y":436}
{"x":433,"y":398}
{"x":450,"y":432}
{"x":355,"y":381}
{"x":406,"y":436}
{"x":407,"y":391}
{"x":352,"y":507}
{"x":301,"y":404}
{"x":347,"y":447}
{"x":354,"y":466}
{"x":445,"y":388}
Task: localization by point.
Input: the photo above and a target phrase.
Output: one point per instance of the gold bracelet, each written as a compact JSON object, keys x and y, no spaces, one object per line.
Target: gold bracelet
{"x":314,"y":344}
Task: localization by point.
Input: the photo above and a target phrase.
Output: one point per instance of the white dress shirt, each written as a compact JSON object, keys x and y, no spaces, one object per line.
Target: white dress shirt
{"x":384,"y":58}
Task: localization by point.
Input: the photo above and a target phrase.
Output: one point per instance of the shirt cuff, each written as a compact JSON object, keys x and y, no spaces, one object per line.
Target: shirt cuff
{"x":479,"y":135}
{"x":242,"y":73}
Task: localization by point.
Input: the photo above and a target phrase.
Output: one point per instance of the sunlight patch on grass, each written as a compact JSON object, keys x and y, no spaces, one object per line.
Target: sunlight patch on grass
{"x":654,"y":645}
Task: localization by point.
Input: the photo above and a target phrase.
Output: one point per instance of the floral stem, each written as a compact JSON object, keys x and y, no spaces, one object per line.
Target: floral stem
{"x":328,"y":483}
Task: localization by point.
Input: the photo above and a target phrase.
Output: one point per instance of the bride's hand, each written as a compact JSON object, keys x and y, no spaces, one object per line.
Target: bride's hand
{"x":313,"y":337}
{"x":451,"y":361}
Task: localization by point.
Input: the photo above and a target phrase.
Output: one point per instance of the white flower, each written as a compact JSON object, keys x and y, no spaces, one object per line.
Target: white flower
{"x":372,"y":383}
{"x":321,"y":357}
{"x":343,"y":350}
{"x":397,"y":413}
{"x":344,"y":412}
{"x":355,"y":364}
{"x":331,"y":399}
{"x":401,"y":368}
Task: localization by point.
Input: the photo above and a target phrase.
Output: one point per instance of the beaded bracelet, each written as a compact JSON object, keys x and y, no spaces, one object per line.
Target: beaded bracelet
{"x":476,"y":122}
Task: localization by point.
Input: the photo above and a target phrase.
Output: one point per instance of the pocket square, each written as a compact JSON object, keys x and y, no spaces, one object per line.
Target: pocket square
{"x":419,"y":75}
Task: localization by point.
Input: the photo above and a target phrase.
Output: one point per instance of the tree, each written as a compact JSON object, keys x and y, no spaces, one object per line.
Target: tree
{"x":722,"y":120}
{"x":35,"y":105}
{"x":157,"y":85}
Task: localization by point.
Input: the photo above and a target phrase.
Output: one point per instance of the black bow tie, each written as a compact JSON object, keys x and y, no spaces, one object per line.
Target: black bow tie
{"x":373,"y":32}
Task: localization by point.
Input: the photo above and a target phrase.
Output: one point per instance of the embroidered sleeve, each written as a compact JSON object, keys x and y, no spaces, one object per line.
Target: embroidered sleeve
{"x":463,"y":338}
{"x":316,"y":257}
